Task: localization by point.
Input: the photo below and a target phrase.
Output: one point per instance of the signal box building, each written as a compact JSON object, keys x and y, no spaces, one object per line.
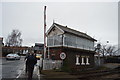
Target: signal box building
{"x":78,"y":46}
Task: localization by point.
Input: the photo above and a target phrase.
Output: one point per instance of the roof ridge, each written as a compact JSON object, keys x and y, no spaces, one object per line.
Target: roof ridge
{"x":70,"y":28}
{"x":78,"y":32}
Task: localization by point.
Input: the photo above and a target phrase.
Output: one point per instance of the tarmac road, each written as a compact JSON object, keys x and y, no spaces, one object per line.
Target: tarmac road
{"x":0,"y":68}
{"x":12,"y":68}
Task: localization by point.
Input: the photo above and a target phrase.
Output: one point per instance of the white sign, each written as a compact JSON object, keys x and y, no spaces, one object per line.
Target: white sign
{"x":62,"y":55}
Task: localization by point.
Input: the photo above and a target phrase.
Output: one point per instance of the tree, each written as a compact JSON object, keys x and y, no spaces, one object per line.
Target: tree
{"x":110,"y":50}
{"x":107,"y":50}
{"x":14,"y":39}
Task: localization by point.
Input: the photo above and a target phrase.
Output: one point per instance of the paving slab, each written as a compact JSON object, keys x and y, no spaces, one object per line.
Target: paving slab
{"x":36,"y":75}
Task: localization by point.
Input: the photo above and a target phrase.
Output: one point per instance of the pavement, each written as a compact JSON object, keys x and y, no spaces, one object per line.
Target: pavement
{"x":36,"y":75}
{"x":112,"y":65}
{"x":0,"y":68}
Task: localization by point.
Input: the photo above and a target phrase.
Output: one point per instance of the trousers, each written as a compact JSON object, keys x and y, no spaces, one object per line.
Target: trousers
{"x":30,"y":72}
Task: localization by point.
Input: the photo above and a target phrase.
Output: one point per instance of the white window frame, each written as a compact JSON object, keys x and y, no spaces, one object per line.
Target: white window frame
{"x":77,"y":60}
{"x":83,"y":62}
{"x":87,"y":61}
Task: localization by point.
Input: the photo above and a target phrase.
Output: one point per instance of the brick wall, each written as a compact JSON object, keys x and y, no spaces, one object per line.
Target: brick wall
{"x":71,"y":56}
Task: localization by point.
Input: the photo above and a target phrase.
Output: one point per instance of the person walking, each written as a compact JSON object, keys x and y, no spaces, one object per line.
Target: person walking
{"x":31,"y":61}
{"x":27,"y":55}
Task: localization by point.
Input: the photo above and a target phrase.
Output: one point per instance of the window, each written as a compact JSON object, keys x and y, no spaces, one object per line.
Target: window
{"x":77,"y":60}
{"x":87,"y":60}
{"x":83,"y":62}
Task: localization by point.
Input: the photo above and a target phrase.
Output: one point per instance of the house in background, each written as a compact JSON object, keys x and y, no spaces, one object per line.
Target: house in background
{"x":1,"y":45}
{"x":12,"y":49}
{"x":78,"y":46}
{"x":39,"y":47}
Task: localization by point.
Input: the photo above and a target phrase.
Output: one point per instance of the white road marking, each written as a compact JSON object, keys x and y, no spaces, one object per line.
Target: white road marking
{"x":21,"y":71}
{"x":38,"y":74}
{"x":36,"y":69}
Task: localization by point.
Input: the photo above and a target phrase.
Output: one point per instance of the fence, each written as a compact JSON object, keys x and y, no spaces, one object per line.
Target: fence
{"x":113,"y":59}
{"x":51,"y":64}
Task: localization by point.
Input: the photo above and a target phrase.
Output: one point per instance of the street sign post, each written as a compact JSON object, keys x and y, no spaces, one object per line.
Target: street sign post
{"x":62,"y":56}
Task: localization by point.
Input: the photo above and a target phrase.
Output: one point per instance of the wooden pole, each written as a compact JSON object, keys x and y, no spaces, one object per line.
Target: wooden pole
{"x":44,"y":32}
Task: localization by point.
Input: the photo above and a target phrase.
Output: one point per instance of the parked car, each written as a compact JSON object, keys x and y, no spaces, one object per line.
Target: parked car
{"x":13,"y":56}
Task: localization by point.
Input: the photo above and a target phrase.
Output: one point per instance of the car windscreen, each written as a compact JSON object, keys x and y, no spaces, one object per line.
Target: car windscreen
{"x":10,"y":54}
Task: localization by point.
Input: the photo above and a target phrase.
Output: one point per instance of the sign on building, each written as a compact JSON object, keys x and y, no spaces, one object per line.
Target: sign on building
{"x":62,"y":55}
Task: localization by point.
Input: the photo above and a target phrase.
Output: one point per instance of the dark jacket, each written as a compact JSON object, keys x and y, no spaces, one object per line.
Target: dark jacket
{"x":31,"y":61}
{"x":27,"y":55}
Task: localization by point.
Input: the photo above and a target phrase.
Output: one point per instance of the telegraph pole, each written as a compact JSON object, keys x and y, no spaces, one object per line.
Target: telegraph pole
{"x":44,"y":32}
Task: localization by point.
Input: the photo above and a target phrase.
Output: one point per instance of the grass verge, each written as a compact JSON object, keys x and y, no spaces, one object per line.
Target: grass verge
{"x":57,"y":75}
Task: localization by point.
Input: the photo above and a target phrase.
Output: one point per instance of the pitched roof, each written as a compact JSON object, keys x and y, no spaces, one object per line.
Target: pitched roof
{"x":72,"y":31}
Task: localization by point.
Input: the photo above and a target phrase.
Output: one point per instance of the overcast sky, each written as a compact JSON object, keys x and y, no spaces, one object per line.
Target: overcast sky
{"x":97,"y":19}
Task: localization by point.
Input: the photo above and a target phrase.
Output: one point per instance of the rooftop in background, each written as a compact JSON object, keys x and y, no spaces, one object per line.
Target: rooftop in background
{"x":39,"y":44}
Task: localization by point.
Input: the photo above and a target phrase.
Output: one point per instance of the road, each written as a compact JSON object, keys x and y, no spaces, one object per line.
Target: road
{"x":0,"y":68}
{"x":12,"y":68}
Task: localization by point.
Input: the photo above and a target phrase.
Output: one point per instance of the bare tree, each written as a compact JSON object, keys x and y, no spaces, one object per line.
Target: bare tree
{"x":14,"y":39}
{"x":107,"y":50}
{"x":110,"y":50}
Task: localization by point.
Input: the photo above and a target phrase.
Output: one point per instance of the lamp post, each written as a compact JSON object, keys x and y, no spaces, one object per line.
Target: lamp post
{"x":99,"y":47}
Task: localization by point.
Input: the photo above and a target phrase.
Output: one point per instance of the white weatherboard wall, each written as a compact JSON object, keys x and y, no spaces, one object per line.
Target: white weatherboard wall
{"x":55,"y":31}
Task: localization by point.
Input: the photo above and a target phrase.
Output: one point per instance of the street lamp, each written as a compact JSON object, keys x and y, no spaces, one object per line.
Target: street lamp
{"x":99,"y":47}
